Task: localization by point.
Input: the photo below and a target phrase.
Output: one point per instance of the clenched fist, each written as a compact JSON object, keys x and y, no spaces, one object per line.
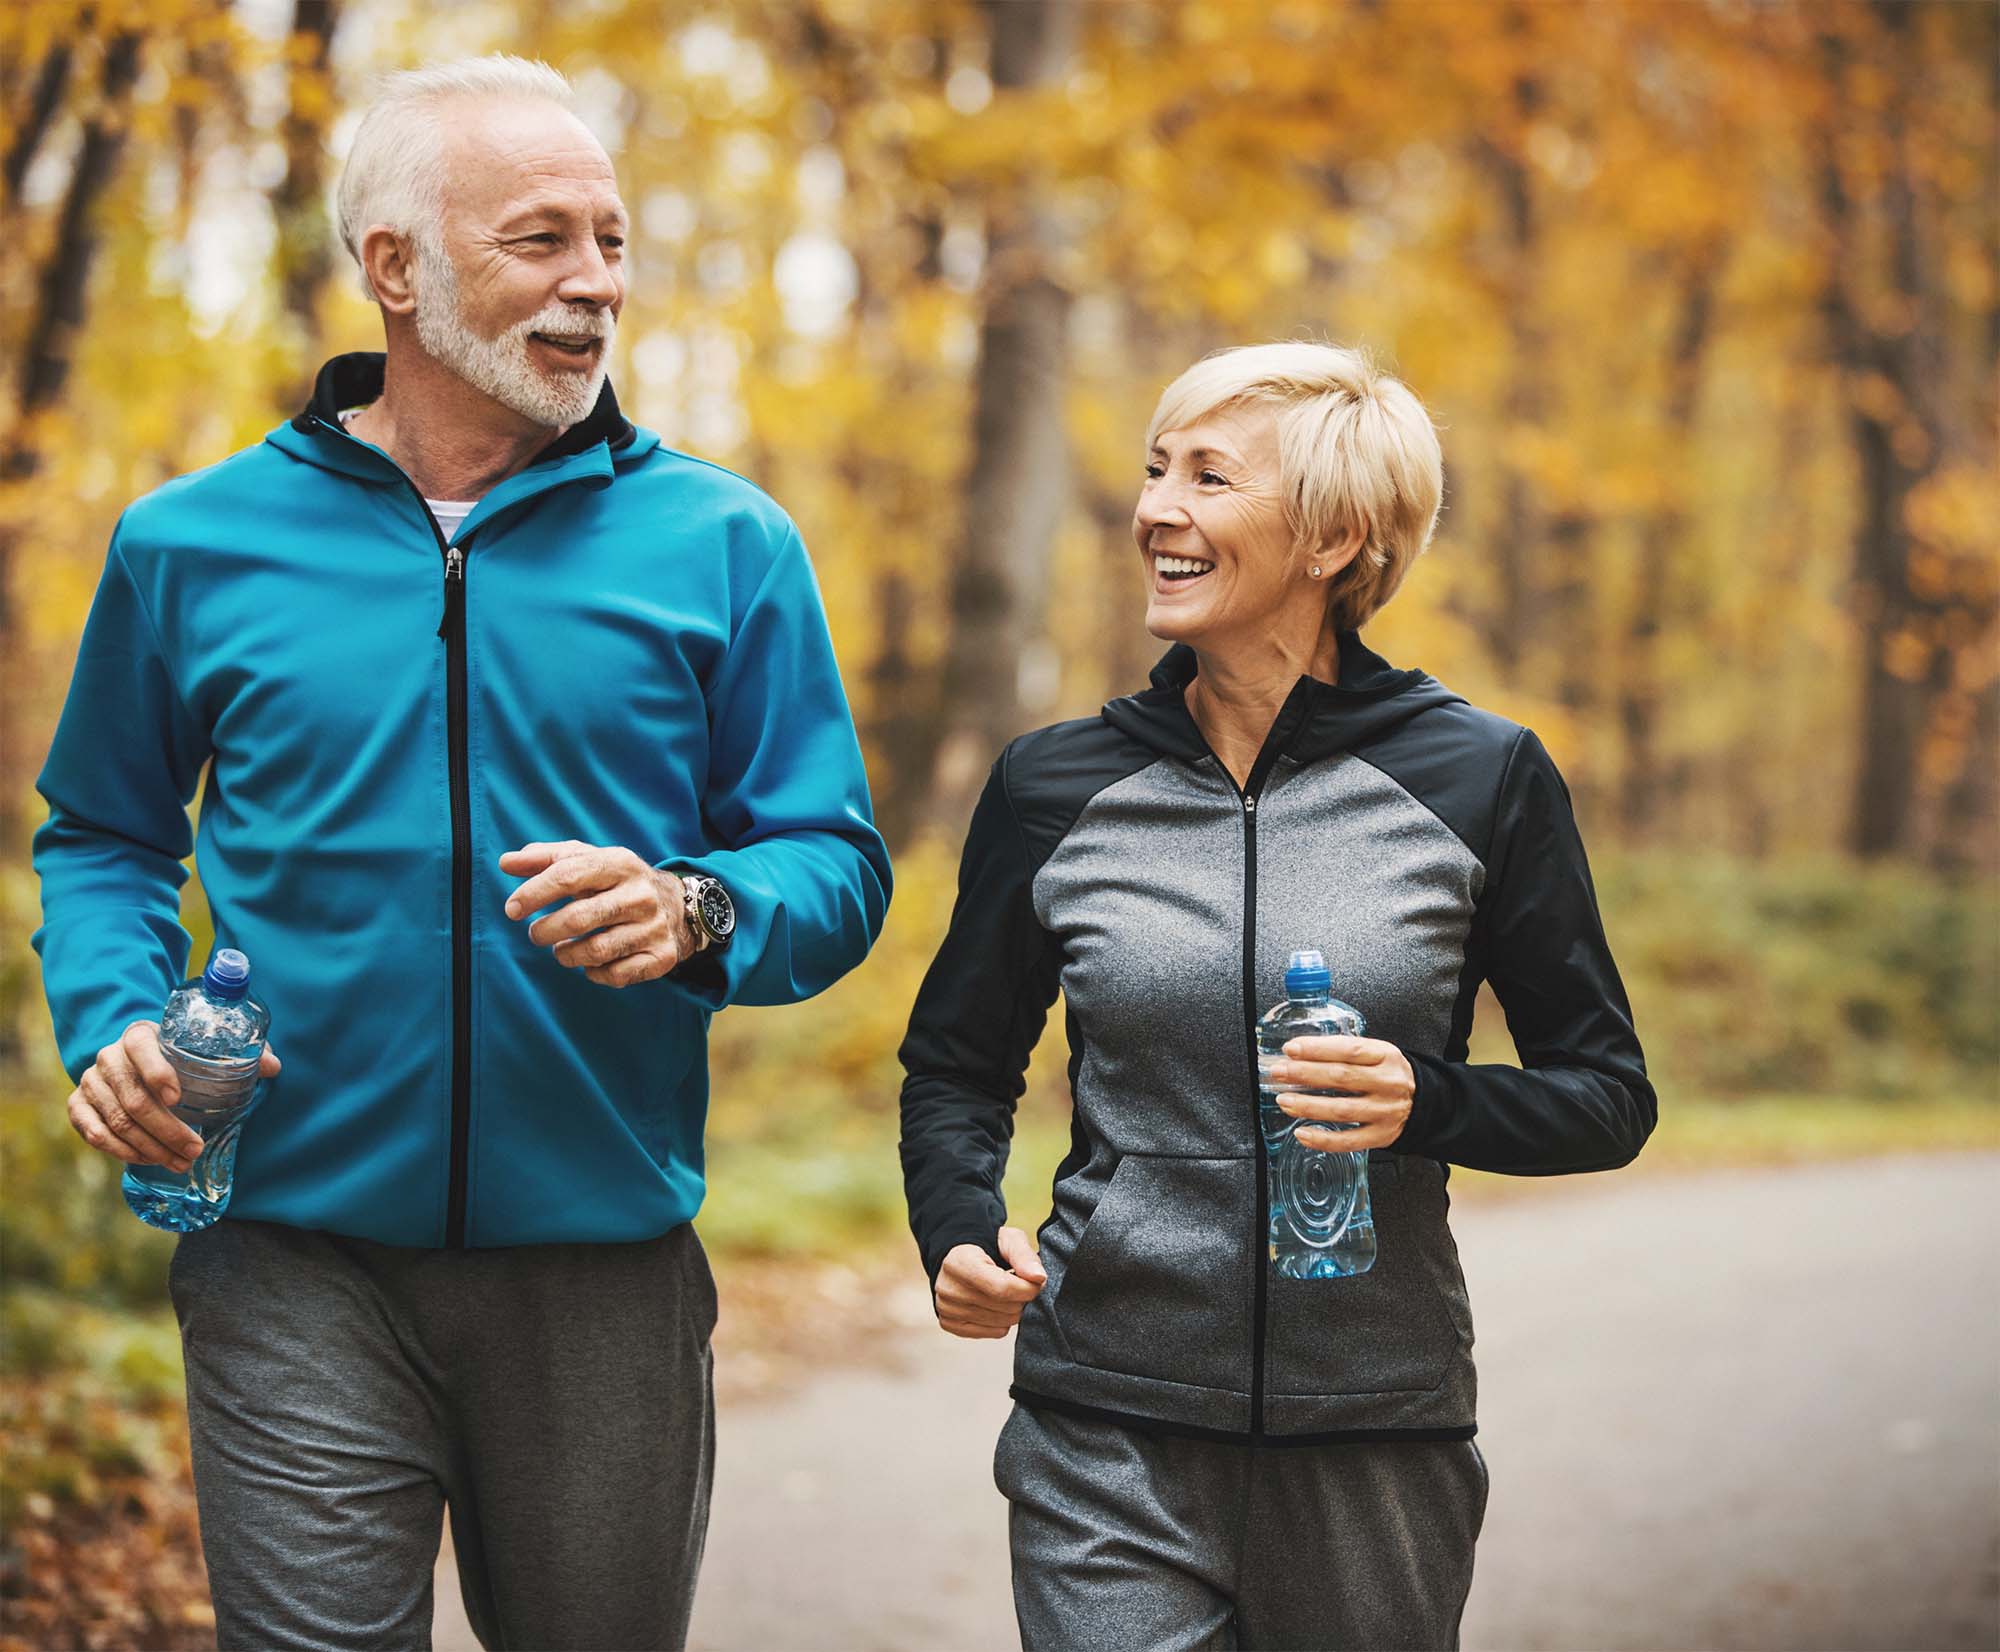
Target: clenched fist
{"x":976,"y":1299}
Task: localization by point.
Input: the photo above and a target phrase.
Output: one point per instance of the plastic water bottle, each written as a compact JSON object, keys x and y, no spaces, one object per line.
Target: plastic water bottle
{"x":212,"y":1033}
{"x":1321,"y":1223}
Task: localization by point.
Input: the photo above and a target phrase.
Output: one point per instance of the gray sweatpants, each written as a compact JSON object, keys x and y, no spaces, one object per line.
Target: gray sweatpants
{"x":343,"y":1394}
{"x":1124,"y":1540}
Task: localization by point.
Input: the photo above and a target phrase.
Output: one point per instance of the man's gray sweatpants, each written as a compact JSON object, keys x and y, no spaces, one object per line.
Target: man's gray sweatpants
{"x":343,"y":1394}
{"x":1124,"y":1540}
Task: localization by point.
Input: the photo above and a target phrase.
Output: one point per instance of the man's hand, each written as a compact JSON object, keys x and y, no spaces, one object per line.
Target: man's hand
{"x":1376,"y":1083}
{"x":976,"y":1299}
{"x":625,"y":921}
{"x":120,"y":1108}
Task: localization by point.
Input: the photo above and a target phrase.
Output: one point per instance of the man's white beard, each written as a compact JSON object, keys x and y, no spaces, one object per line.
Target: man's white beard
{"x":503,"y":367}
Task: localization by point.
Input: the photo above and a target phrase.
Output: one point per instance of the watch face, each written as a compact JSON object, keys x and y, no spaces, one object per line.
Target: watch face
{"x":716,"y":910}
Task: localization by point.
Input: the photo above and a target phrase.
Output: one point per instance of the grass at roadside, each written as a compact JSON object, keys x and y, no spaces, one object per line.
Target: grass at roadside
{"x":1779,"y":1130}
{"x":1694,"y":1135}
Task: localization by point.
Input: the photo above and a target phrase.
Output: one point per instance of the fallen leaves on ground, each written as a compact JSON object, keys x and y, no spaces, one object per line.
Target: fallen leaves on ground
{"x":101,"y":1550}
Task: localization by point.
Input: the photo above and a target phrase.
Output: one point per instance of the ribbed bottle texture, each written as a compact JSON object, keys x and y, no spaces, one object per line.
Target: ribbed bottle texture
{"x":212,"y":1033}
{"x":1321,"y":1224}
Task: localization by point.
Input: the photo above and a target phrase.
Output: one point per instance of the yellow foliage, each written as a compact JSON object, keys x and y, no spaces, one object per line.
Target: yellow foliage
{"x":1507,"y":203}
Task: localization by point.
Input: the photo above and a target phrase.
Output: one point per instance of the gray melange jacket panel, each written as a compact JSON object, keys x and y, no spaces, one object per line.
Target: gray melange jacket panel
{"x":1145,"y":896}
{"x":1426,"y":847}
{"x":1155,"y":1242}
{"x":1349,"y":862}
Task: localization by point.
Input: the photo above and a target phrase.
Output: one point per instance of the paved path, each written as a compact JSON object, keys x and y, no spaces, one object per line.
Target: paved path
{"x":1747,"y":1409}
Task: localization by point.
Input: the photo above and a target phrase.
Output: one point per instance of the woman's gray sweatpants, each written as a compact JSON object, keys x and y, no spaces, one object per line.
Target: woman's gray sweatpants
{"x":342,"y":1394}
{"x":1125,"y":1540}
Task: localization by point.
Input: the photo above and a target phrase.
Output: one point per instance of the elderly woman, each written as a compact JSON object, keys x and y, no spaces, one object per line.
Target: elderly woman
{"x":1206,"y":1451}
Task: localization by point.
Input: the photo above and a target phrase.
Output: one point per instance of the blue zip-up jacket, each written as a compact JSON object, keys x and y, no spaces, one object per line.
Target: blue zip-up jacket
{"x":621,"y":645}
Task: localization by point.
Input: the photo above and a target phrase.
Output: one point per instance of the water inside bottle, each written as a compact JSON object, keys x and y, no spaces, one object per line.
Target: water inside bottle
{"x":212,"y":1034}
{"x":1321,"y":1221}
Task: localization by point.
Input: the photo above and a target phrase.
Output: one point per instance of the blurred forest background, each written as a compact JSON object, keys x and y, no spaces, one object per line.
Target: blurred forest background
{"x":1705,"y":296}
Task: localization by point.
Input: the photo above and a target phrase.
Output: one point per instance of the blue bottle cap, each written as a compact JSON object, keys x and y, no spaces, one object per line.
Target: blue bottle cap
{"x":1307,"y":976}
{"x":227,"y":975}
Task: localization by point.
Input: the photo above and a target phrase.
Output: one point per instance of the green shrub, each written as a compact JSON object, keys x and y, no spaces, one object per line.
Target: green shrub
{"x":63,"y":1222}
{"x":1880,"y":982}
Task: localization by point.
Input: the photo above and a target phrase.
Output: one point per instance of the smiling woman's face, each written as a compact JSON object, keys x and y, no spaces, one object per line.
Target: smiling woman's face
{"x":1211,"y":527}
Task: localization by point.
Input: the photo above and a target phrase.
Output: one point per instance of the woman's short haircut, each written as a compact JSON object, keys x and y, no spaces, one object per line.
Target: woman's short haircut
{"x":1356,"y":451}
{"x":395,"y":171}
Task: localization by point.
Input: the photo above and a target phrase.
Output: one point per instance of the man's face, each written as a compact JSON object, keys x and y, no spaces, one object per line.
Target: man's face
{"x":531,"y":261}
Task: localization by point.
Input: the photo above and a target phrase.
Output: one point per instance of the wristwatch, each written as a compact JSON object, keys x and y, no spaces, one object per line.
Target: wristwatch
{"x":711,"y":914}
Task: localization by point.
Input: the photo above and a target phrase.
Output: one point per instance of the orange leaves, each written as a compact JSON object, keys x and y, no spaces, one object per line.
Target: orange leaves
{"x":1517,"y":205}
{"x":1950,"y":517}
{"x":1906,"y":655}
{"x":107,"y":1553}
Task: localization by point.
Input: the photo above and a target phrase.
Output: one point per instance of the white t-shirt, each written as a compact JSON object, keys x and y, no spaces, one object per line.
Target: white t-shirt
{"x":449,"y":512}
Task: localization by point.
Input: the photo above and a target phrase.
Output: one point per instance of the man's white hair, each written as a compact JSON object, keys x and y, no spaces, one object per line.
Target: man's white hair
{"x":395,"y":172}
{"x":1357,"y":452}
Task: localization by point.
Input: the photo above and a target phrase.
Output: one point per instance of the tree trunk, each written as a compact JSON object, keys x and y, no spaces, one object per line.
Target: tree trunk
{"x":305,"y":237}
{"x":897,"y":249}
{"x":60,"y":294}
{"x":51,"y":334}
{"x":1128,"y":651}
{"x":1892,"y":421}
{"x":901,"y":729}
{"x":34,"y":124}
{"x":1969,"y":838}
{"x":1519,"y":532}
{"x":1660,"y":540}
{"x":1966,"y":836}
{"x":1015,"y":493}
{"x":1569,"y":617}
{"x":903,"y":712}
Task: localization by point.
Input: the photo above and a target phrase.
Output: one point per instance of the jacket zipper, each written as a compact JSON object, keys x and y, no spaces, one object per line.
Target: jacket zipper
{"x":1260,"y":1216}
{"x":451,"y":628}
{"x":1260,"y":1238}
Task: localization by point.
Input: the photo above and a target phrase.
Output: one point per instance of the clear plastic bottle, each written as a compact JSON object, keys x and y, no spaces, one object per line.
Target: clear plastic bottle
{"x":212,"y":1033}
{"x":1322,"y":1226}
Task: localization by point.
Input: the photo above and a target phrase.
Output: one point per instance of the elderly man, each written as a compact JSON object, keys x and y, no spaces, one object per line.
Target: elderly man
{"x":462,"y":646}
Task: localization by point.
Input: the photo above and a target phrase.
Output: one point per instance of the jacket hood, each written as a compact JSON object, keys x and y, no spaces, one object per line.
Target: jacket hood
{"x":1317,"y":720}
{"x":356,"y":378}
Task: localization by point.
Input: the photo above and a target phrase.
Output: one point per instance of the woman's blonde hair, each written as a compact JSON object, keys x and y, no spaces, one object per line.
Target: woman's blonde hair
{"x":1356,"y":451}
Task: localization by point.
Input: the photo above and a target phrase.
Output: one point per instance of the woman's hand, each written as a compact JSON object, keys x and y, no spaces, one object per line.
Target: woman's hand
{"x":976,"y":1299}
{"x":1376,"y":1076}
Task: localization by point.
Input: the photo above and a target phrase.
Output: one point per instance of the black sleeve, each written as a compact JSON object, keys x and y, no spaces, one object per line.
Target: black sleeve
{"x":1580,"y":1099}
{"x":977,"y":1017}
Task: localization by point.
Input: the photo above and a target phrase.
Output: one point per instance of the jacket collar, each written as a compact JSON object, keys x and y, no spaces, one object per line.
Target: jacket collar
{"x":356,"y":378}
{"x":1318,"y":719}
{"x":1363,"y":673}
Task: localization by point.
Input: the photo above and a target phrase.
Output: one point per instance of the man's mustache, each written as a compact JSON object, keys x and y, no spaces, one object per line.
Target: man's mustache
{"x":566,"y":328}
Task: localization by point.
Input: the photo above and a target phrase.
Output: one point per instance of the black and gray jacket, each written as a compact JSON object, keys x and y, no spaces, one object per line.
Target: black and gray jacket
{"x":1424,"y":846}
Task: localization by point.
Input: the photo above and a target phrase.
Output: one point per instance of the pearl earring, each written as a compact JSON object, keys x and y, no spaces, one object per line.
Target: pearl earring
{"x":1315,"y":570}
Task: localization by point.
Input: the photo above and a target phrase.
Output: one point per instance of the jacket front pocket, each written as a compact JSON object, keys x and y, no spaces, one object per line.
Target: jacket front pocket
{"x":1159,"y":1284}
{"x":1387,"y":1331}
